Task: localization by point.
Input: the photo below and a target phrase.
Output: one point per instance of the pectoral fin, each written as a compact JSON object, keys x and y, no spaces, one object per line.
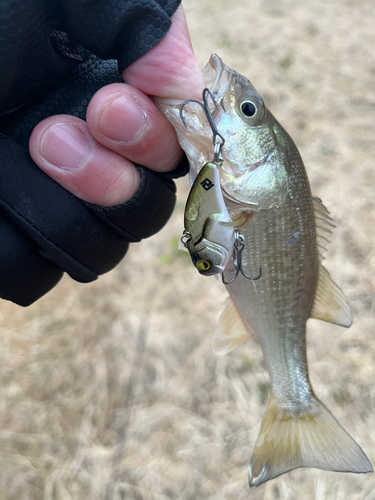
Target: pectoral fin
{"x":227,"y":223}
{"x":230,"y":331}
{"x":330,"y":303}
{"x":237,"y":221}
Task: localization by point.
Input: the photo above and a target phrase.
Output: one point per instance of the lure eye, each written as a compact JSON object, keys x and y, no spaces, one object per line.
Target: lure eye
{"x":248,"y":109}
{"x":203,"y":265}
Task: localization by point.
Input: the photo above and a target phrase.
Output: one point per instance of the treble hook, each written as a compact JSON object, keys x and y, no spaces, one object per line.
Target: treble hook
{"x":217,"y":139}
{"x":239,"y":245}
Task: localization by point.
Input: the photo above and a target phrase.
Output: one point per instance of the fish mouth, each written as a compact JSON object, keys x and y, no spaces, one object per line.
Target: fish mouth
{"x":212,"y":73}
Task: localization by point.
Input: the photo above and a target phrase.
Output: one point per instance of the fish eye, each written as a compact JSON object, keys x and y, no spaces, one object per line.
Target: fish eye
{"x":248,"y":109}
{"x":203,"y":265}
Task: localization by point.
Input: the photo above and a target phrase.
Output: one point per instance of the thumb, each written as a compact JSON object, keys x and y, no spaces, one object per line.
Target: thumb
{"x":170,"y":69}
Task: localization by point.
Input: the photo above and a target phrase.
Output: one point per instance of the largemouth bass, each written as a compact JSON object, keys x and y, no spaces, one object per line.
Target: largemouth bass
{"x":285,"y":231}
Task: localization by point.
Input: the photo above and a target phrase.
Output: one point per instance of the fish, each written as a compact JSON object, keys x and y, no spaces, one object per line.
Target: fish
{"x":285,"y":232}
{"x":208,"y":234}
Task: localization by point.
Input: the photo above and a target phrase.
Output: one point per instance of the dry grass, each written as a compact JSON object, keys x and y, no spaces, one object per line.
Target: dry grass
{"x":111,"y":390}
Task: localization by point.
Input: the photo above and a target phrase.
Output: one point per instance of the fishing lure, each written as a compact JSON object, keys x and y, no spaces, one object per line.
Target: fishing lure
{"x":209,"y":234}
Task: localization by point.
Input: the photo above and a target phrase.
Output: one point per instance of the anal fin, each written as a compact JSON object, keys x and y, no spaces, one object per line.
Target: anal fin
{"x":230,"y":331}
{"x":330,"y":303}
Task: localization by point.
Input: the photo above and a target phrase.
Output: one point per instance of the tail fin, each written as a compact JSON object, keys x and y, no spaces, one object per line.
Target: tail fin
{"x":314,"y":438}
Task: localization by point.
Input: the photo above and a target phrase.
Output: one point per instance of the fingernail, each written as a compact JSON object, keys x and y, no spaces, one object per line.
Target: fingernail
{"x":123,"y":120}
{"x":65,"y":146}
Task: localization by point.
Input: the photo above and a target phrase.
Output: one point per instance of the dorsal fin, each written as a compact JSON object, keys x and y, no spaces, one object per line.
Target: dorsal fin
{"x":231,"y":330}
{"x":324,"y":226}
{"x":330,"y":303}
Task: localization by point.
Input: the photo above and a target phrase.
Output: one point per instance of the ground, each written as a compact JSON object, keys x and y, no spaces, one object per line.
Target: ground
{"x":111,"y":390}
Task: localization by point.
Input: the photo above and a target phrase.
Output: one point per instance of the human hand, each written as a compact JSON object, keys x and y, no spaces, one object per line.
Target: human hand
{"x":45,"y":230}
{"x":95,"y":159}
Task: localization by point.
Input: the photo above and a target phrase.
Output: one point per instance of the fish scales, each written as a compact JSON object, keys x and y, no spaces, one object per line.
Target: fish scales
{"x":285,"y":230}
{"x":289,"y":273}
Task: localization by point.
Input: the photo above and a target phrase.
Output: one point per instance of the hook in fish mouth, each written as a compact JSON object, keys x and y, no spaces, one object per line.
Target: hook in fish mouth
{"x":217,"y":138}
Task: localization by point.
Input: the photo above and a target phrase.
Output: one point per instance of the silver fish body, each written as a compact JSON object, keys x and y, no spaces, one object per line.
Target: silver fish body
{"x":267,"y":193}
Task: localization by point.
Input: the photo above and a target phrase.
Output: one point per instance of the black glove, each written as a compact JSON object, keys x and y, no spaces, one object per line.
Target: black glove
{"x":44,"y":229}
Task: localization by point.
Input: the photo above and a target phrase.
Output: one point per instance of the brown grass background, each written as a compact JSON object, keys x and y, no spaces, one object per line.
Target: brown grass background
{"x":111,"y":390}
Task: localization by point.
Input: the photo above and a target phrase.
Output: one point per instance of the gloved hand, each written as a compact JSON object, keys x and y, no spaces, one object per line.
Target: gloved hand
{"x":50,"y":65}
